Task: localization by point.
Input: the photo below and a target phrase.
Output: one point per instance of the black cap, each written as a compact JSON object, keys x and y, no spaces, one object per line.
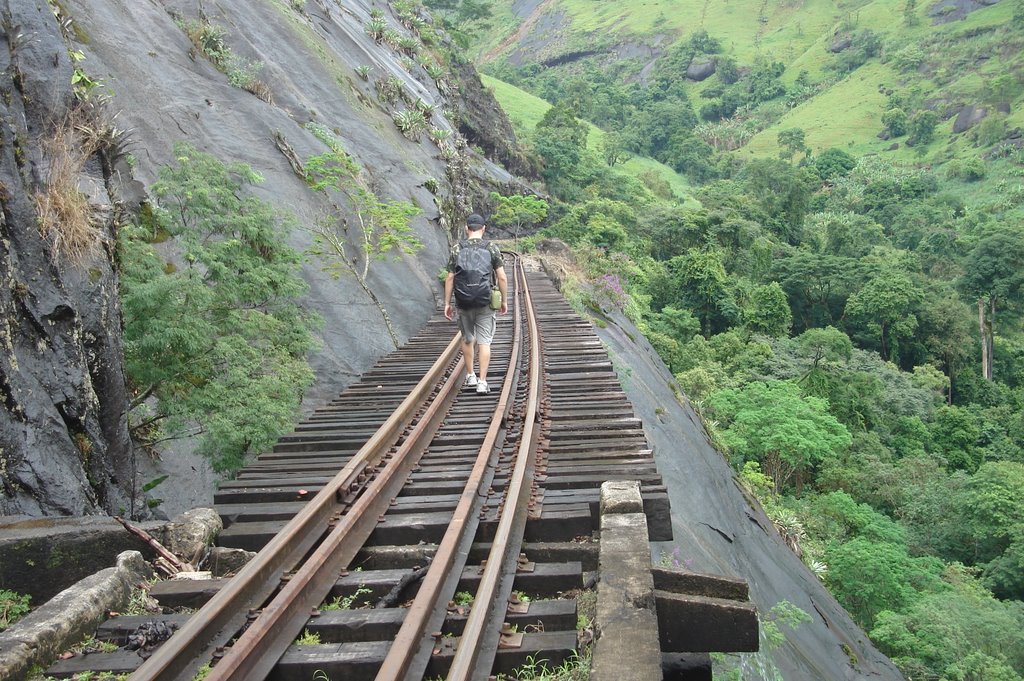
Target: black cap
{"x":475,"y":219}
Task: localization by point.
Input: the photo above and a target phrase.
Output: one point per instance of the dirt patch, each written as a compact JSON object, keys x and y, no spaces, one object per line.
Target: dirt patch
{"x":524,"y":8}
{"x":945,"y":11}
{"x":531,"y":11}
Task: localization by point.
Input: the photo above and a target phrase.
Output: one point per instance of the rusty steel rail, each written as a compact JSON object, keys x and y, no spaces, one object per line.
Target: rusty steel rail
{"x":217,"y":622}
{"x":414,"y":640}
{"x":413,"y":551}
{"x":483,"y":626}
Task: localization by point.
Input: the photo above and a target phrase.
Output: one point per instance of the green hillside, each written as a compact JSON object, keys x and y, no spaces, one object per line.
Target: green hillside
{"x":526,"y":110}
{"x":842,"y":294}
{"x":955,"y":63}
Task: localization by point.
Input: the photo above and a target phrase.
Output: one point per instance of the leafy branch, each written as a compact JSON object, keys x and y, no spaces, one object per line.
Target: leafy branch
{"x":384,"y":227}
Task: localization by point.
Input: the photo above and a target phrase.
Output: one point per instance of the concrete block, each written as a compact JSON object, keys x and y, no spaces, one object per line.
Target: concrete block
{"x":189,"y":533}
{"x":698,"y":584}
{"x":626,"y":642}
{"x":697,"y":624}
{"x":621,"y":496}
{"x":43,"y":556}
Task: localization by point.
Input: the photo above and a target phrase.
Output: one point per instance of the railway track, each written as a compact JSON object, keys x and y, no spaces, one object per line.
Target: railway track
{"x":467,"y":519}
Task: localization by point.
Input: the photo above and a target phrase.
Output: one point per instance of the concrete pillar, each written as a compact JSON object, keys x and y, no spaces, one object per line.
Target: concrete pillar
{"x":626,"y":642}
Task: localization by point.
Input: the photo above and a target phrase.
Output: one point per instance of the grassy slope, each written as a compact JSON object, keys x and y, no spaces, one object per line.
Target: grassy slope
{"x":797,"y":32}
{"x":785,"y":31}
{"x":526,"y":110}
{"x":848,"y":115}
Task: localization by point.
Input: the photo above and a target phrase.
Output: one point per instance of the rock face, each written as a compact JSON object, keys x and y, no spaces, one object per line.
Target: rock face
{"x":968,"y":117}
{"x":63,"y":434}
{"x":839,"y":43}
{"x":955,"y":10}
{"x":64,"y":446}
{"x":701,"y":70}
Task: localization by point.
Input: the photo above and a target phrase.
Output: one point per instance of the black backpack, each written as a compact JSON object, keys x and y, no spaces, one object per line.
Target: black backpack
{"x":473,"y":274}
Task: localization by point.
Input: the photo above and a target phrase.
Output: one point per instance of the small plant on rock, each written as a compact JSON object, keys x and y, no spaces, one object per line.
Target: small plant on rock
{"x":363,"y":71}
{"x":65,"y":216}
{"x":439,"y":135}
{"x":12,"y":607}
{"x":348,"y":602}
{"x":391,"y":37}
{"x":308,"y":638}
{"x":389,"y":89}
{"x":408,"y":45}
{"x":434,"y":70}
{"x":243,"y":74}
{"x":209,"y":40}
{"x":448,"y":152}
{"x":426,"y":108}
{"x":376,"y":28}
{"x":410,"y":122}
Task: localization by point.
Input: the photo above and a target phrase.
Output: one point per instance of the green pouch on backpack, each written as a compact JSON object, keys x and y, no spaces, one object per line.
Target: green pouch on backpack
{"x":495,"y":298}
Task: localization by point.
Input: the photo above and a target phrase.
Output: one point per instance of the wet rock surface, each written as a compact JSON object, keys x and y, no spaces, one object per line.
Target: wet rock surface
{"x":63,"y":434}
{"x":64,"y":446}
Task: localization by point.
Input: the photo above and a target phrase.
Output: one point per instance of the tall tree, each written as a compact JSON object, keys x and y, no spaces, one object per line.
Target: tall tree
{"x":560,"y":139}
{"x":886,"y":305}
{"x":218,"y":340}
{"x":518,"y":211}
{"x":703,"y":279}
{"x":784,"y":192}
{"x":994,"y":276}
{"x":792,"y":143}
{"x":773,"y":423}
{"x":817,"y":285}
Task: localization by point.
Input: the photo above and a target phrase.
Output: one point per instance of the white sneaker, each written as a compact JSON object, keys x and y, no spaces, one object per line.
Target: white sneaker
{"x":471,"y":381}
{"x":481,"y":388}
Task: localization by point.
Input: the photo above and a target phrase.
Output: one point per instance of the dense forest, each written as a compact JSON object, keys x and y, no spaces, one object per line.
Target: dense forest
{"x":842,"y":307}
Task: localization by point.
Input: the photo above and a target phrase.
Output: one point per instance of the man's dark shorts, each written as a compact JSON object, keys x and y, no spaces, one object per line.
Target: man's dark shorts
{"x":477,"y":324}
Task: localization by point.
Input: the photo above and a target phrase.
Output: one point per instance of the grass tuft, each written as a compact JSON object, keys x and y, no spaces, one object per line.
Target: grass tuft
{"x":66,"y":217}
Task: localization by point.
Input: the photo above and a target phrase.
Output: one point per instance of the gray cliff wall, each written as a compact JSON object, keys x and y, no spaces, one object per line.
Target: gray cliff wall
{"x":63,"y":432}
{"x":63,"y":435}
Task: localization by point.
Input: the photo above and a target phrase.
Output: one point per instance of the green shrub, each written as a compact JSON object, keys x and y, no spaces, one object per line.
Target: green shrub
{"x":968,"y":169}
{"x":895,"y":121}
{"x":922,"y":127}
{"x":908,"y":59}
{"x":219,"y":341}
{"x":992,"y":130}
{"x":12,"y":607}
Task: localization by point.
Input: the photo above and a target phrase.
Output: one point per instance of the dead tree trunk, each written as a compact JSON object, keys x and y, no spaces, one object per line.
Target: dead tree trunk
{"x":985,"y":319}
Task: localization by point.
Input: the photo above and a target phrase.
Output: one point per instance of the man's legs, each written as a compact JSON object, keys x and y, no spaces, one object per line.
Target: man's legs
{"x":467,"y":354}
{"x":484,"y":334}
{"x":478,"y":327}
{"x":484,"y":351}
{"x":467,"y":326}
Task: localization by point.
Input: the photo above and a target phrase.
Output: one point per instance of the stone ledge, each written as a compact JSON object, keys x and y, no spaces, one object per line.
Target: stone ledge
{"x":70,"y":616}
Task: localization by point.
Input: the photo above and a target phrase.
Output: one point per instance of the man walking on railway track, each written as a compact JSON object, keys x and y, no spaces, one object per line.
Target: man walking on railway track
{"x":473,"y":267}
